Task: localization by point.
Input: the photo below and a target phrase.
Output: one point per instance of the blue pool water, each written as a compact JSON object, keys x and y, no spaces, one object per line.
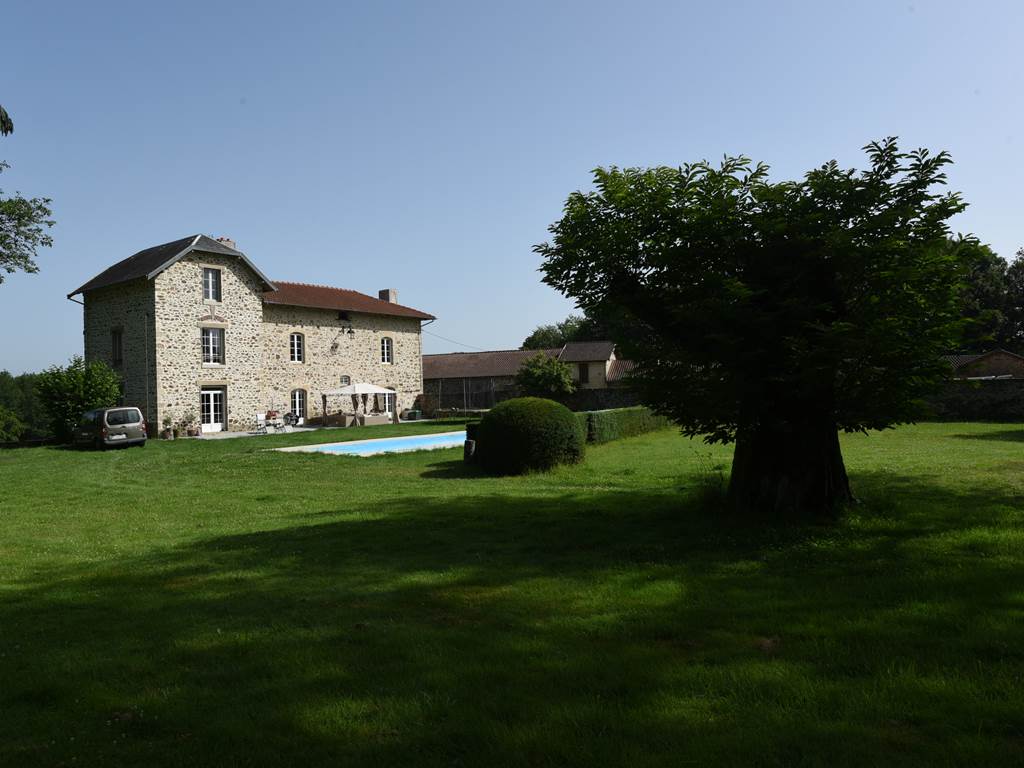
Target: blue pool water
{"x":389,"y":444}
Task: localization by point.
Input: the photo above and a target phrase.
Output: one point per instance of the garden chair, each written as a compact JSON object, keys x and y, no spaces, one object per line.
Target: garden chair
{"x":261,"y":424}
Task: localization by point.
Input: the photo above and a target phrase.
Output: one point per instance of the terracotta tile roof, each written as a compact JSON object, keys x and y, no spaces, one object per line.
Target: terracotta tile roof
{"x":150,"y":261}
{"x":619,"y":370}
{"x":468,"y":365}
{"x":325,"y":297}
{"x":506,"y":362}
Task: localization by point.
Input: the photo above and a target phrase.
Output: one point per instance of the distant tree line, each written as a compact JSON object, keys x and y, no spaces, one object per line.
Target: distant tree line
{"x":993,"y":299}
{"x":39,"y":406}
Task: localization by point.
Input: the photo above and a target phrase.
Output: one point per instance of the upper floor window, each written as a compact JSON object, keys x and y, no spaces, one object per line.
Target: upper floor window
{"x":117,"y":346}
{"x":213,"y":345}
{"x":344,"y":381}
{"x":299,"y":403}
{"x":296,"y":346}
{"x":211,"y":284}
{"x":584,"y":373}
{"x":386,"y":350}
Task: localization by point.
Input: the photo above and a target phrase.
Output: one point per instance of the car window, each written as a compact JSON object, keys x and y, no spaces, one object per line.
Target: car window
{"x":87,"y":418}
{"x":123,"y":416}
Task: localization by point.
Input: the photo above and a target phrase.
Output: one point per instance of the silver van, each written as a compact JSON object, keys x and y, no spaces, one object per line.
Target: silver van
{"x":107,"y":427}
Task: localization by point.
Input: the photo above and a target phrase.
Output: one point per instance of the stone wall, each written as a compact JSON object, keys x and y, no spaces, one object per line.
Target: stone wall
{"x":181,"y":314}
{"x":128,"y":307}
{"x":331,"y":352}
{"x":598,"y":374}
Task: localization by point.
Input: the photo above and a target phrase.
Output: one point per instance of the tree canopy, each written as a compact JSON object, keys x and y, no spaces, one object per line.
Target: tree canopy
{"x":993,"y":299}
{"x":543,"y":376}
{"x":573,"y":328}
{"x":69,"y":391}
{"x":23,"y":225}
{"x":772,"y":313}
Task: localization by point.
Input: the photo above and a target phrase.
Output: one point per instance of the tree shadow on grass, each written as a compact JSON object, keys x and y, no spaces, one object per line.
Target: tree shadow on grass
{"x":602,"y":628}
{"x":452,"y":470}
{"x":1005,"y":435}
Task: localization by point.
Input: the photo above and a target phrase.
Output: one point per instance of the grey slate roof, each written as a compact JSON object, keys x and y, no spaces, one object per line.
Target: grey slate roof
{"x":152,"y":261}
{"x":586,"y":351}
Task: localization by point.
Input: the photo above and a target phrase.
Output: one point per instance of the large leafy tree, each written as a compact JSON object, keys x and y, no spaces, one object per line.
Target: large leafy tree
{"x":69,"y":391}
{"x":772,"y":315}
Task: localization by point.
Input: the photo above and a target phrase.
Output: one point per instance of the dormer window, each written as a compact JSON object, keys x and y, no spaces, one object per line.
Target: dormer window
{"x":211,"y":284}
{"x":297,"y":348}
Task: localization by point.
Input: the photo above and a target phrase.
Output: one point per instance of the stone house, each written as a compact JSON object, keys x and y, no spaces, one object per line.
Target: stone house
{"x":200,"y":334}
{"x":472,"y":380}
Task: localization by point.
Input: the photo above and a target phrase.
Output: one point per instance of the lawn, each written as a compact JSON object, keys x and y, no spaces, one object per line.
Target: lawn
{"x":210,"y":603}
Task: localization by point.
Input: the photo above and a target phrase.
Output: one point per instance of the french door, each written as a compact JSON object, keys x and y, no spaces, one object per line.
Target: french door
{"x":212,"y":409}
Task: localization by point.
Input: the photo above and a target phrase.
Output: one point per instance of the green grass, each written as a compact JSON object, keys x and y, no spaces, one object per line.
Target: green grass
{"x":210,"y":603}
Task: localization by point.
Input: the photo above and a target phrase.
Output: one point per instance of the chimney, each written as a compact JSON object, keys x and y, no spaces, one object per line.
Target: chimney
{"x":389,"y":295}
{"x":228,"y":242}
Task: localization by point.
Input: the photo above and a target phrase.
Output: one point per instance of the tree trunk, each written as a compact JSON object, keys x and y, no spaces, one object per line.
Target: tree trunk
{"x":789,"y":470}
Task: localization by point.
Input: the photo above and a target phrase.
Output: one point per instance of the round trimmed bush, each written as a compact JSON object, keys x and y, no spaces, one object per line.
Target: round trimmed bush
{"x":528,"y":434}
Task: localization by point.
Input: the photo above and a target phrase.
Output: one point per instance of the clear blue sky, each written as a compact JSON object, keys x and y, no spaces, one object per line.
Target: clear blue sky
{"x":427,"y":146}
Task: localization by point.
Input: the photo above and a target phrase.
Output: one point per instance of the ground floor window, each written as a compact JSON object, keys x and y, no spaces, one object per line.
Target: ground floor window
{"x":299,"y":403}
{"x":388,"y":402}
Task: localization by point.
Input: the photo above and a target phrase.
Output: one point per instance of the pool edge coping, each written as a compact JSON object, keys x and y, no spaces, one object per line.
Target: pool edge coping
{"x":314,"y":447}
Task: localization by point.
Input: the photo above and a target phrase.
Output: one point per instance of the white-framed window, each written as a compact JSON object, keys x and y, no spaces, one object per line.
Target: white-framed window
{"x":297,"y":348}
{"x":387,"y":349}
{"x":299,"y":403}
{"x":389,"y":402}
{"x":116,"y":346}
{"x":213,"y":345}
{"x":211,"y":284}
{"x":344,"y":381}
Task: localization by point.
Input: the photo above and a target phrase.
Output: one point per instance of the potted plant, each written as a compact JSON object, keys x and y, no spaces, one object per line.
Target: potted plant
{"x":168,"y":433}
{"x":191,"y":427}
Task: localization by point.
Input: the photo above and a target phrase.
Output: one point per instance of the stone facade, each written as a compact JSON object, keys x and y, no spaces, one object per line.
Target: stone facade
{"x":161,"y":321}
{"x":129,"y":309}
{"x":330,"y":353}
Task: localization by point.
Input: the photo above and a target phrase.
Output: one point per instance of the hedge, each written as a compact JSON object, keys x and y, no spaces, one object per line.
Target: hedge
{"x":527,"y":434}
{"x":596,"y":426}
{"x":614,"y":424}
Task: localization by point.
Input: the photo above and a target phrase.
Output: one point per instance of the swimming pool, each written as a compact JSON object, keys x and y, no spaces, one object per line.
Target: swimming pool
{"x":385,"y":445}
